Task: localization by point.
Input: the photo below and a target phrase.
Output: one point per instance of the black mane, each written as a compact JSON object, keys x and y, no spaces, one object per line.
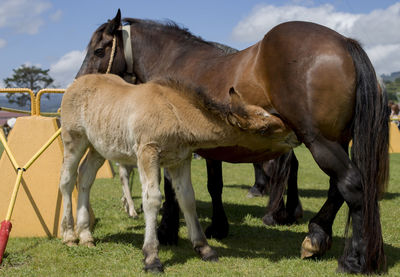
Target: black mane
{"x":168,"y":27}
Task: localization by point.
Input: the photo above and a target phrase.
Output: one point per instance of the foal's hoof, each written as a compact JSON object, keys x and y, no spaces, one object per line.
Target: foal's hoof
{"x":71,"y":243}
{"x":154,"y":267}
{"x":89,"y":244}
{"x":316,"y":243}
{"x":207,"y":253}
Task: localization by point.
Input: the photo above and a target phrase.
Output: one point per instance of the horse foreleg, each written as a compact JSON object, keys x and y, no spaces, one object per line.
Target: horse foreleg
{"x":182,"y":184}
{"x":149,"y":171}
{"x":124,"y":174}
{"x":168,"y":230}
{"x":219,"y":227}
{"x":86,"y":177}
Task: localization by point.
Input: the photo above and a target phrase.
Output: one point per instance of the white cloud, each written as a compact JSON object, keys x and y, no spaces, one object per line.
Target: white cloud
{"x":377,"y":30}
{"x":263,"y":18}
{"x":56,"y":16}
{"x":3,"y":43}
{"x":385,"y":58}
{"x":64,"y":70}
{"x":24,"y":16}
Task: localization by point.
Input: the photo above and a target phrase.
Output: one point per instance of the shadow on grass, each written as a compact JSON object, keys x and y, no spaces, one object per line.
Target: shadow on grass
{"x":244,"y":241}
{"x":236,"y":212}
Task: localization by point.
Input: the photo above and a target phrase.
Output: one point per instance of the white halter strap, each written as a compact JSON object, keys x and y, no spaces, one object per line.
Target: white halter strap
{"x":126,"y":38}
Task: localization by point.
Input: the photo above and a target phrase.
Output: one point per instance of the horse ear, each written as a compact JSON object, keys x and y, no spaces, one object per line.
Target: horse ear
{"x":114,"y":24}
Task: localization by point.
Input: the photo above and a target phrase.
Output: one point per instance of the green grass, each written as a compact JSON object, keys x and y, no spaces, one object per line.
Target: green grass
{"x":251,"y":248}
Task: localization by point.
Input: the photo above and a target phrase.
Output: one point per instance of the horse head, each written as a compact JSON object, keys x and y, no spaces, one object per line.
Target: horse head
{"x":105,"y":52}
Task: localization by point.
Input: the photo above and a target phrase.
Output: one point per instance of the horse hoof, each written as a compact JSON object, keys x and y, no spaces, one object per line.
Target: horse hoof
{"x":307,"y":249}
{"x":217,"y":231}
{"x":254,"y":192}
{"x":269,"y":220}
{"x":155,"y":267}
{"x":351,"y":263}
{"x":316,"y":243}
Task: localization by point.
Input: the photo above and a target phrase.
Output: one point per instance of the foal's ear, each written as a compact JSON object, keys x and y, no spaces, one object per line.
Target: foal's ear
{"x":236,"y":99}
{"x":114,"y":24}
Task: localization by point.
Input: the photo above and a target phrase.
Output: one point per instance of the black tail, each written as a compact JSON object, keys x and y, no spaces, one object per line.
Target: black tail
{"x":370,"y":151}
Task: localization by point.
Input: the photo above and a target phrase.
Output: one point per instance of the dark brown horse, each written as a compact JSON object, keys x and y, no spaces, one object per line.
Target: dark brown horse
{"x":320,"y":83}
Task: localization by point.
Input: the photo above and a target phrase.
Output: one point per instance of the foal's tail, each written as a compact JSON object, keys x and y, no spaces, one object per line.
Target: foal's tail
{"x":370,"y":151}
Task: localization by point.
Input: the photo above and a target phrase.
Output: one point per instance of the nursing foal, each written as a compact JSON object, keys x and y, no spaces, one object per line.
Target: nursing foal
{"x":153,"y":125}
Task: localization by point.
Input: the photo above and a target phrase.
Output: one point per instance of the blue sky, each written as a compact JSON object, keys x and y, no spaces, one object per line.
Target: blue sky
{"x":54,"y":34}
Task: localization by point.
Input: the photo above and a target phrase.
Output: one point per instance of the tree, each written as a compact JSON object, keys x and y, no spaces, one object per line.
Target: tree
{"x":31,"y":77}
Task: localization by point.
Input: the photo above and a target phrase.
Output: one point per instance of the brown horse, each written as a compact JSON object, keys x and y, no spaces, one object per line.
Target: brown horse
{"x":274,"y":174}
{"x":151,"y":125}
{"x":317,"y":81}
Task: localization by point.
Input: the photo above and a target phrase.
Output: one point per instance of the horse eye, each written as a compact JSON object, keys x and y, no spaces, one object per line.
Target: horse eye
{"x":99,"y":52}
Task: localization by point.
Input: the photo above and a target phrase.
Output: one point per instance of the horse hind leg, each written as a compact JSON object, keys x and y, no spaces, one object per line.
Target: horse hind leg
{"x":74,"y":149}
{"x":124,"y":174}
{"x":319,"y":237}
{"x":86,"y":177}
{"x":333,"y":160}
{"x":184,"y":192}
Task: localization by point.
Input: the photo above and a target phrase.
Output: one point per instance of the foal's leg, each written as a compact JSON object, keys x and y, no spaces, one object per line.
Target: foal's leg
{"x":169,"y":226}
{"x":219,"y":227}
{"x":74,"y":149}
{"x":149,"y":171}
{"x":124,"y":174}
{"x":261,"y":184}
{"x":86,"y":176}
{"x":184,"y":192}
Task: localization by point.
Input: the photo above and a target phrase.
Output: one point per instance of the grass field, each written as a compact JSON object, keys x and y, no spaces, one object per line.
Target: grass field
{"x":251,"y":248}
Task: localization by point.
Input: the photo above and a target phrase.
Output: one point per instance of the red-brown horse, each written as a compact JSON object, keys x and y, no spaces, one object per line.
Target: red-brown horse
{"x":317,"y":81}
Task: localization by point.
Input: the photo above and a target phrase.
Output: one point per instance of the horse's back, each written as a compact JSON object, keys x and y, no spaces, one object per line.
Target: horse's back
{"x":311,"y":78}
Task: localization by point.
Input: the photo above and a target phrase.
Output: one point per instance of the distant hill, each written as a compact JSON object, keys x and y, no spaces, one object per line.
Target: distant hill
{"x":50,"y":104}
{"x":393,"y":76}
